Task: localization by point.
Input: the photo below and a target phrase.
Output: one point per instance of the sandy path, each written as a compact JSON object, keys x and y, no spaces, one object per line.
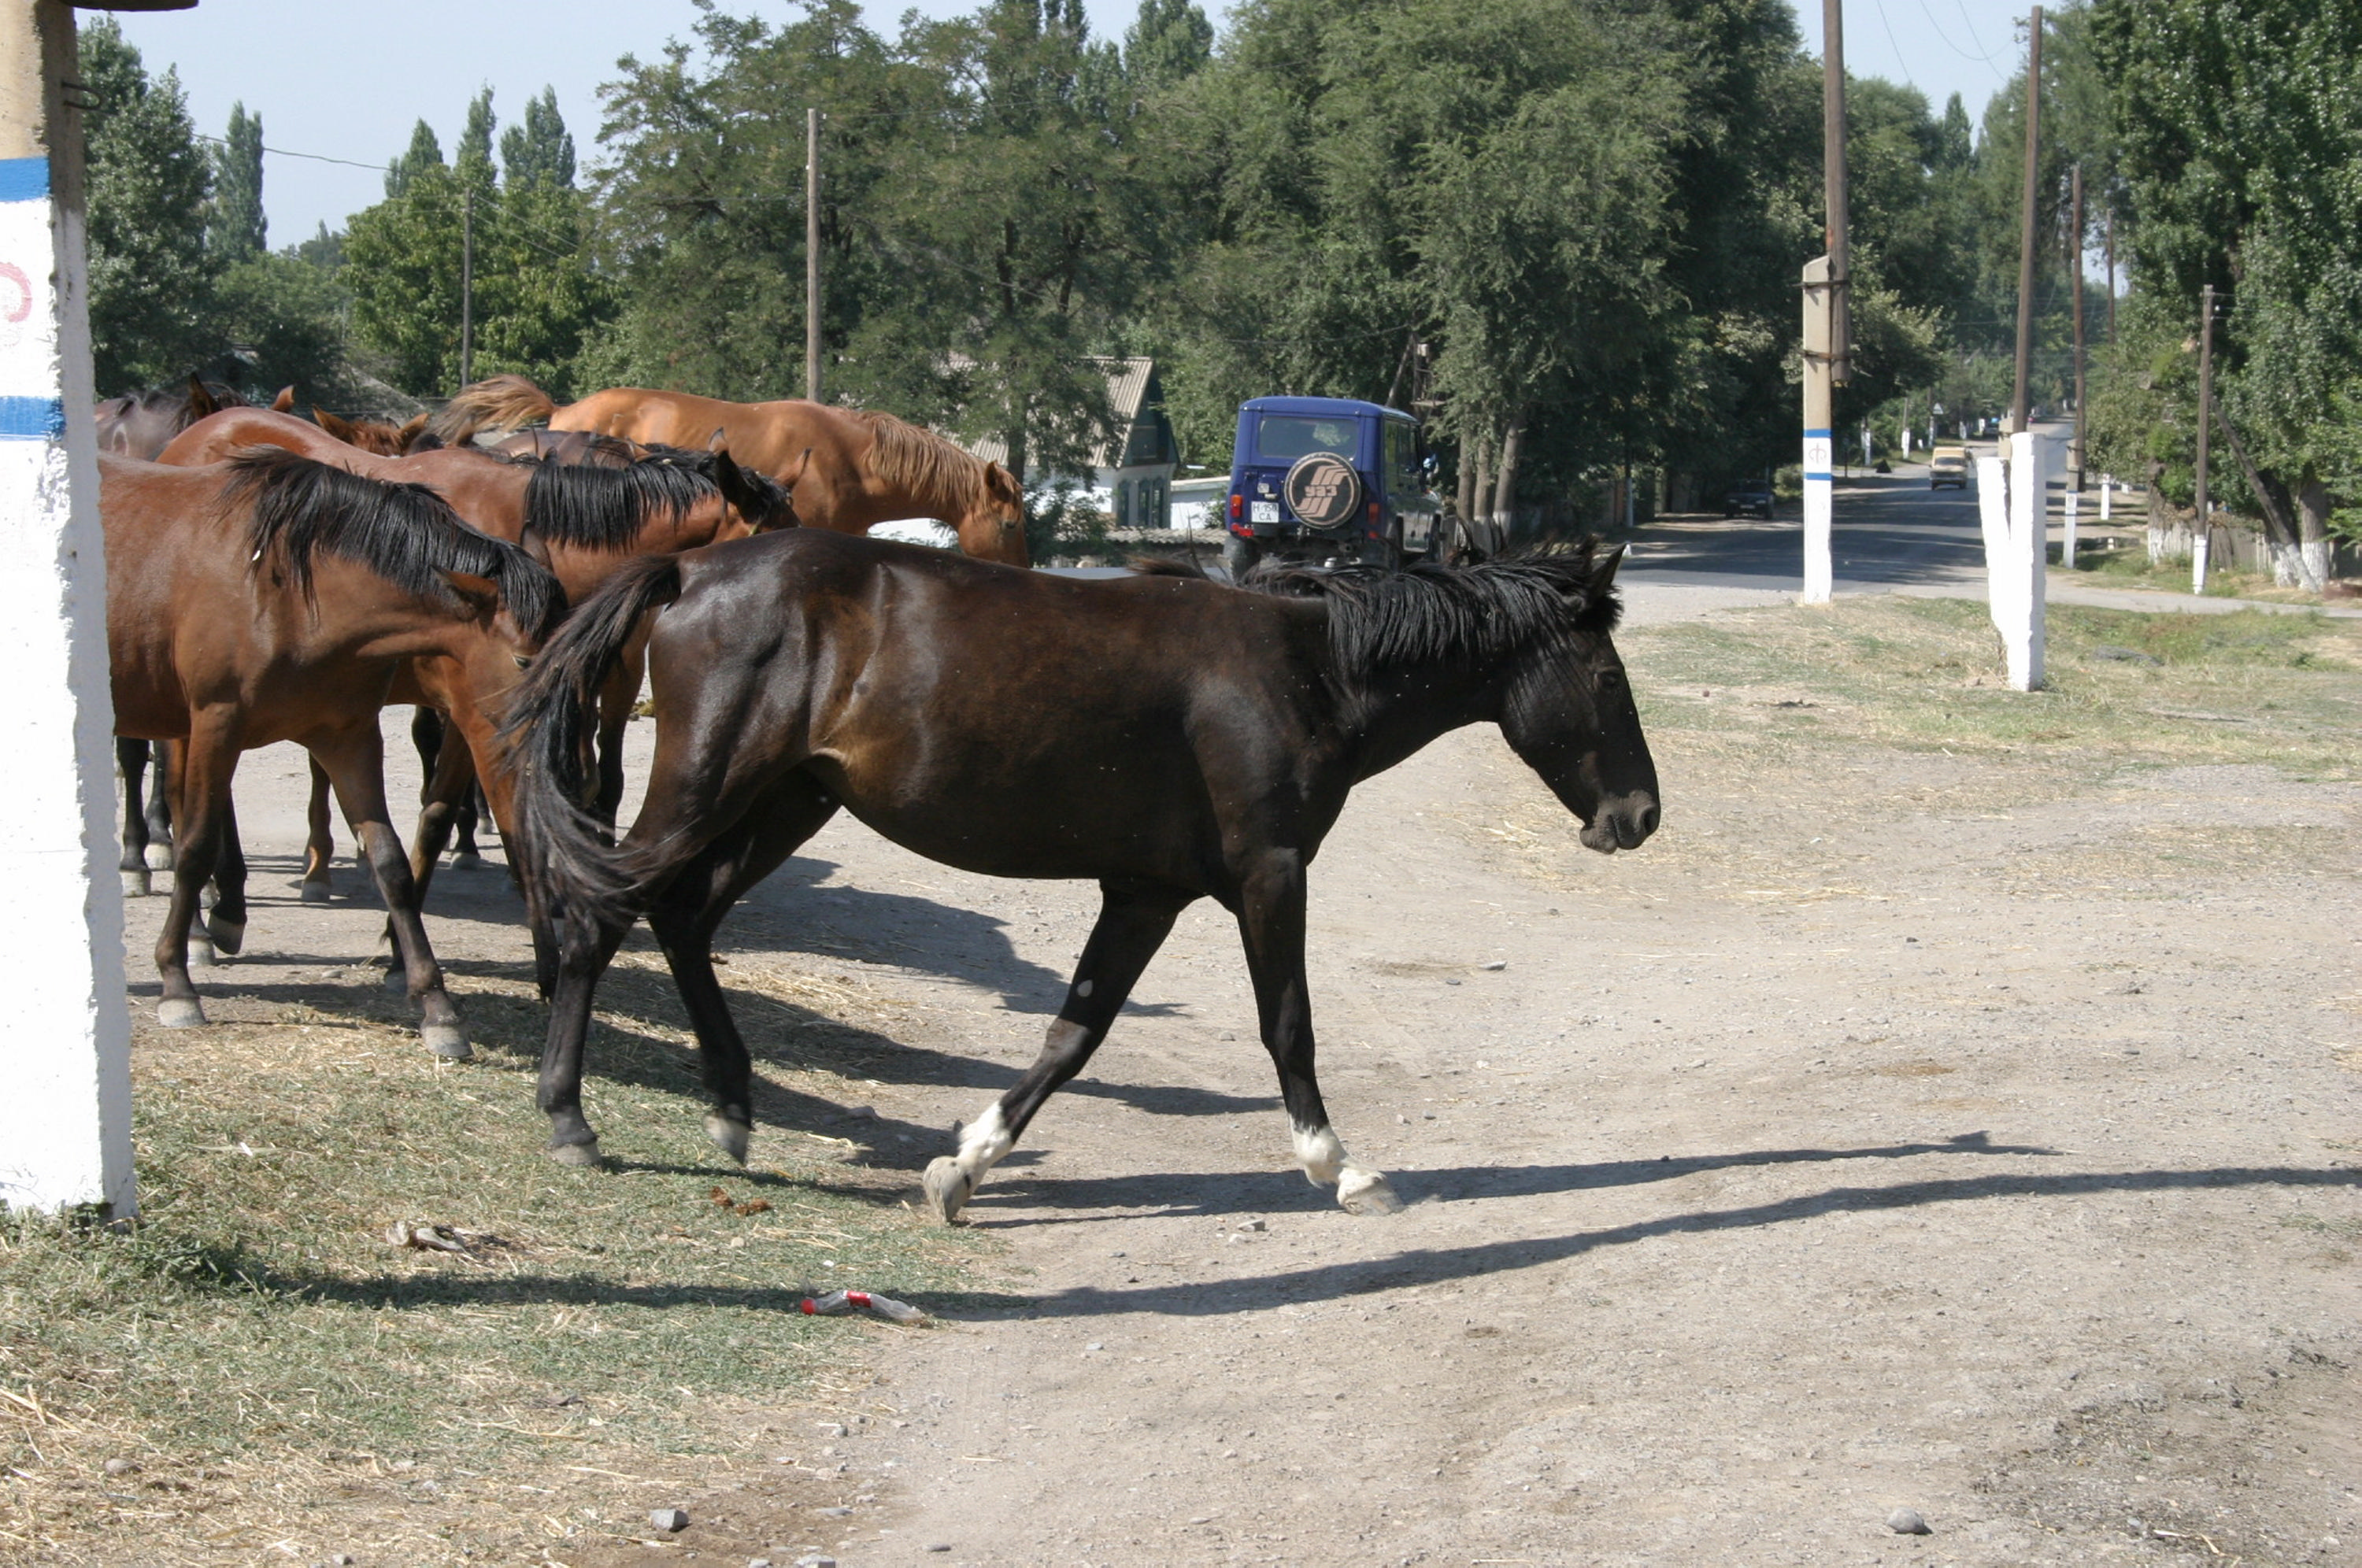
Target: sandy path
{"x":1872,"y":1139}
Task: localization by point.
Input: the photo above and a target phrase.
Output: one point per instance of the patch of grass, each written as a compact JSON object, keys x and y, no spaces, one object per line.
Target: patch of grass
{"x":257,"y":1313}
{"x":1925,"y":674}
{"x":2124,"y":563}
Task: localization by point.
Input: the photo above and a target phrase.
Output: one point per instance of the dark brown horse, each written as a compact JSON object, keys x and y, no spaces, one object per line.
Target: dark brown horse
{"x":852,"y":469}
{"x":273,"y":598}
{"x":137,"y":424}
{"x":1168,"y":737}
{"x":586,"y":519}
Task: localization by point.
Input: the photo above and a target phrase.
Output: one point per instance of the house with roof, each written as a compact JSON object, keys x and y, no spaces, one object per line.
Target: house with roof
{"x":1131,"y":470}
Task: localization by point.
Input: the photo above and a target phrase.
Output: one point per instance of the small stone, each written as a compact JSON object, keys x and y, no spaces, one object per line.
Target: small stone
{"x":831,"y":1428}
{"x":1493,"y":964}
{"x":1117,"y":1254}
{"x":342,"y":1559}
{"x":939,"y":1546}
{"x":1401,"y":1118}
{"x":1094,"y":1345}
{"x":758,"y":1562}
{"x":836,"y":1513}
{"x":668,"y":1519}
{"x":120,"y":1467}
{"x":1253,"y":1225}
{"x":1230,"y":1035}
{"x":817,"y":1560}
{"x":1427,"y":1115}
{"x":1451,"y":979}
{"x":1906,"y":1522}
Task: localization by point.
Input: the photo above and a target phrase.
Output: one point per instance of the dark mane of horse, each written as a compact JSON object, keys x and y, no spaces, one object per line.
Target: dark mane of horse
{"x":1430,"y":614}
{"x":601,"y":508}
{"x":920,"y":460}
{"x":406,"y":534}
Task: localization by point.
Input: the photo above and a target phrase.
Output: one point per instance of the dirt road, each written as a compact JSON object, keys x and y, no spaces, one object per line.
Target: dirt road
{"x":1895,"y":1130}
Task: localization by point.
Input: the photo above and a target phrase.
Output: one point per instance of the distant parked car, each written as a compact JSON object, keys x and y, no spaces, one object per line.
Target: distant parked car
{"x":1947,"y":466}
{"x":1747,"y":498}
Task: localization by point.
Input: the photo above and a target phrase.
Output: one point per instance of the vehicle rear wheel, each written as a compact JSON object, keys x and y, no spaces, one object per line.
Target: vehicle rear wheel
{"x":1241,"y":556}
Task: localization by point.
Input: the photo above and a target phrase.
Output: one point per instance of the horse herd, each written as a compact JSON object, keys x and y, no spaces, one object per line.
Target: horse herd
{"x":1168,"y":736}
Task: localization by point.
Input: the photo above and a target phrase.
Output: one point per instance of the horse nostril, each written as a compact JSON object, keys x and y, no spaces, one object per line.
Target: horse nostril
{"x":1649,"y":816}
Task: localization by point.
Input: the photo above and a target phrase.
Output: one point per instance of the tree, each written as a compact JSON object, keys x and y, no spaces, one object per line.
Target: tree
{"x":536,"y":301}
{"x":540,"y":150}
{"x":152,"y":273}
{"x":1169,"y":43}
{"x":235,"y":227}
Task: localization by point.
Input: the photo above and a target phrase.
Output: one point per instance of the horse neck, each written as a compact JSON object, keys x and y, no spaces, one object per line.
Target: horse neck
{"x":1390,"y":716}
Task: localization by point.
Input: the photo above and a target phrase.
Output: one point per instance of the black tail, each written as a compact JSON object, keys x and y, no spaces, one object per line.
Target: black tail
{"x":573,"y":877}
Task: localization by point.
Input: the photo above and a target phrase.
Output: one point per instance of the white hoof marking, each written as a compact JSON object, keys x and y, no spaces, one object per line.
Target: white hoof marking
{"x":159,"y":857}
{"x":1322,"y":1154}
{"x":179,"y":1012}
{"x":135,"y":885}
{"x":316,"y":892}
{"x":1084,"y":988}
{"x":1367,"y":1192}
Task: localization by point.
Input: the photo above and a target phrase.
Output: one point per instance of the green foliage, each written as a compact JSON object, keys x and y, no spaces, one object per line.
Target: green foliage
{"x":540,"y":152}
{"x":537,"y":299}
{"x":235,"y":227}
{"x":1171,"y":41}
{"x":152,"y":273}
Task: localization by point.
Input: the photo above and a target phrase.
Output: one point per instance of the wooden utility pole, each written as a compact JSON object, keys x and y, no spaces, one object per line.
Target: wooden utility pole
{"x":2020,"y":410}
{"x":2205,"y":419}
{"x":2075,"y":245}
{"x":811,"y":254}
{"x":1827,"y":339}
{"x":467,"y":287}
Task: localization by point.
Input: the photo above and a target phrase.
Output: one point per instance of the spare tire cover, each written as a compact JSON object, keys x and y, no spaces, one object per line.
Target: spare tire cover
{"x":1324,"y":490}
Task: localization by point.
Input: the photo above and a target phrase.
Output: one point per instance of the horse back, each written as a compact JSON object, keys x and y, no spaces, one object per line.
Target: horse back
{"x":770,"y":436}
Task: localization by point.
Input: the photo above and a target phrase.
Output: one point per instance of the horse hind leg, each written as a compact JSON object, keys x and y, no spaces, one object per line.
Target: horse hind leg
{"x":1134,"y":918}
{"x":319,"y":840}
{"x":225,"y":915}
{"x":201,"y":784}
{"x":131,"y":762}
{"x":157,"y":841}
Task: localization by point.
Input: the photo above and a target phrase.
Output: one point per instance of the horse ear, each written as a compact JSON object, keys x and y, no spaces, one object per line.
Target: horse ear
{"x":285,"y":401}
{"x":411,"y":429}
{"x":483,"y":594}
{"x":1603,"y":576}
{"x":342,"y":429}
{"x":201,"y":402}
{"x":1003,"y":484}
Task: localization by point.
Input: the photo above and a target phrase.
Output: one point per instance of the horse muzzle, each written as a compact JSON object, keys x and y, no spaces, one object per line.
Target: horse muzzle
{"x":1621,"y":824}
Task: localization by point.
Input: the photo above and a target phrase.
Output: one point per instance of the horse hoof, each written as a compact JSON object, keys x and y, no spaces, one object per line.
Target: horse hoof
{"x":448,"y":1040}
{"x":948,"y":1188}
{"x":467,"y":860}
{"x":181,"y":1013}
{"x":135,"y":885}
{"x":1366,"y":1193}
{"x":585,"y":1155}
{"x":230,"y":935}
{"x":201,"y":952}
{"x":316,"y":892}
{"x":159,"y":857}
{"x":729,"y":1136}
{"x":396,"y":979}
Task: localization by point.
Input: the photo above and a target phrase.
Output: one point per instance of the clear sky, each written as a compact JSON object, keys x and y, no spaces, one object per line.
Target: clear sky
{"x":339,"y":79}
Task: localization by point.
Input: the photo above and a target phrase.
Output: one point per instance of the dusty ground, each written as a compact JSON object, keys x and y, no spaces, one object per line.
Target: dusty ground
{"x":1895,"y":1130}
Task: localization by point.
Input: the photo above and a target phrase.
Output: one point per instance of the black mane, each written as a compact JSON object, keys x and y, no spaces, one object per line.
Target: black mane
{"x":601,"y":508}
{"x":1430,"y":613}
{"x":406,"y":534}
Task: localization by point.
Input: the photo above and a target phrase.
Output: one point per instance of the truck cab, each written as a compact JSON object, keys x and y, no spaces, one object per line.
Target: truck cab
{"x":1327,"y":479}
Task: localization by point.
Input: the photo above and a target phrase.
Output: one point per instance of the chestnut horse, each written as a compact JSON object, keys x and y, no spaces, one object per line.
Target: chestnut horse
{"x":584,"y":520}
{"x":1169,"y":737}
{"x":853,"y":467}
{"x":382,"y":436}
{"x":273,"y":598}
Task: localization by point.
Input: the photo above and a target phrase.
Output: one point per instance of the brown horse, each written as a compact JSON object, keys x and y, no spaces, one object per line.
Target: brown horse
{"x":382,"y":436}
{"x":586,"y":521}
{"x":854,"y":467}
{"x":273,"y":598}
{"x":1171,"y":739}
{"x":137,"y":424}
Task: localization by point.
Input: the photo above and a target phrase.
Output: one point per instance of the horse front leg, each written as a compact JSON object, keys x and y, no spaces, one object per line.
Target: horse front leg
{"x":1270,"y":924}
{"x":319,"y":839}
{"x":356,"y":763}
{"x":226,"y":919}
{"x":201,"y":779}
{"x":131,"y":762}
{"x":158,"y":850}
{"x":435,"y":738}
{"x":1134,"y":918}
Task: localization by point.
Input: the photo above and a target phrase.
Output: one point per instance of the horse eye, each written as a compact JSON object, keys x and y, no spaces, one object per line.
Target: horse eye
{"x":523,"y":662}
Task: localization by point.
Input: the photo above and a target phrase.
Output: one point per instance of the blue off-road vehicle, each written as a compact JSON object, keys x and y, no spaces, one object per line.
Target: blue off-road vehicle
{"x":1328,"y":479}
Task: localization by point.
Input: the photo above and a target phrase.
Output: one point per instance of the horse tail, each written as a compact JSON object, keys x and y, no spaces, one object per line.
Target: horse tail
{"x":498,"y":404}
{"x":573,"y":875}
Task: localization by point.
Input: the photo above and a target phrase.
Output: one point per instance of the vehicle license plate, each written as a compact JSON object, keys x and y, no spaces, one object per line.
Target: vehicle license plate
{"x":1262,"y":511}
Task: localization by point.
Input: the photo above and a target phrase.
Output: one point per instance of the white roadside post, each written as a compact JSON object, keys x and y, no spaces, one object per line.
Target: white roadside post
{"x":65,"y":1074}
{"x":2067,"y":534}
{"x":1820,"y":449}
{"x":2032,"y":459}
{"x":2107,"y":494}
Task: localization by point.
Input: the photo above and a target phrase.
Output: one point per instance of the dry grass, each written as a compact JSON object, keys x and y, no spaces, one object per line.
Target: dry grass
{"x":274,"y":1370}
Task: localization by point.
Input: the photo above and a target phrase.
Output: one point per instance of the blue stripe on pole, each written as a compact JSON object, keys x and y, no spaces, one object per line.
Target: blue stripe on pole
{"x":31,"y":418}
{"x":24,"y":178}
{"x":1821,"y":434}
{"x":1821,"y":478}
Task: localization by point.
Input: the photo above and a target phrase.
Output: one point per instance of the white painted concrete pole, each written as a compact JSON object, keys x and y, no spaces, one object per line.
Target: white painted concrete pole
{"x":1992,"y":519}
{"x":2066,"y":537}
{"x":1820,"y":449}
{"x":2031,"y":459}
{"x":65,"y":1068}
{"x":2107,"y":495}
